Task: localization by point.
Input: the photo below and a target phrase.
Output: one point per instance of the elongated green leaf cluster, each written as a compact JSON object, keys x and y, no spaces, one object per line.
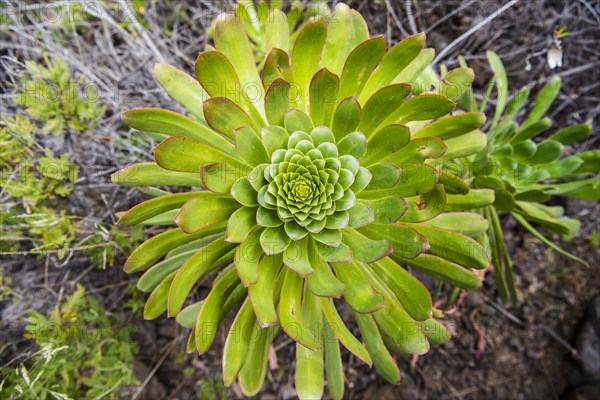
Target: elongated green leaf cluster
{"x":313,"y":181}
{"x":524,"y":172}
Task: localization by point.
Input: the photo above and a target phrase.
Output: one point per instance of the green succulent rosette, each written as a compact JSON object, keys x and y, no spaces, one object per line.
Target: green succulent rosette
{"x":313,"y":181}
{"x":525,"y":167}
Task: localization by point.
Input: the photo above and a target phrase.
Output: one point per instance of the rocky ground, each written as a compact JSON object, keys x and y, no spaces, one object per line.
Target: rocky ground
{"x":545,"y":348}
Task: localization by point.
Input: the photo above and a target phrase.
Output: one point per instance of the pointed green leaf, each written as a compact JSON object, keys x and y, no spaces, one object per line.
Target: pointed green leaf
{"x":244,"y":193}
{"x":340,"y":39}
{"x":452,"y":183}
{"x":323,"y":96}
{"x":470,"y":224}
{"x":253,"y":372}
{"x":309,"y":363}
{"x":182,"y":87}
{"x":157,"y":206}
{"x":476,"y":198}
{"x":174,"y":124}
{"x":231,"y":39}
{"x":199,"y":213}
{"x":354,"y":144}
{"x":436,"y":332}
{"x":296,"y":257}
{"x":462,"y":146}
{"x":250,"y":147}
{"x":334,"y":254}
{"x":380,"y":105}
{"x":383,"y":176}
{"x":406,"y":241}
{"x":212,"y":311}
{"x":425,"y":207}
{"x":543,"y":101}
{"x":298,"y":120}
{"x":414,"y":180}
{"x":157,"y":302}
{"x":586,"y":189}
{"x":323,"y":282}
{"x":455,"y":247}
{"x":277,"y":31}
{"x":385,"y":142}
{"x":150,"y":174}
{"x":277,"y":65}
{"x":237,"y":342}
{"x":418,"y":150}
{"x":225,"y":116}
{"x":262,"y":294}
{"x":346,"y":117}
{"x":451,"y":126}
{"x":547,"y":242}
{"x":182,"y":154}
{"x":395,"y":322}
{"x":411,"y":293}
{"x":360,"y":293}
{"x":382,"y":359}
{"x":188,"y":316}
{"x":274,"y":240}
{"x":199,"y":265}
{"x":218,"y":77}
{"x":295,"y":231}
{"x":290,"y":312}
{"x":531,"y":130}
{"x":268,"y":218}
{"x":334,"y":367}
{"x":277,"y":101}
{"x":360,"y":215}
{"x":591,"y":161}
{"x":340,"y":330}
{"x":154,"y":275}
{"x":240,"y":224}
{"x":393,"y":62}
{"x":563,"y":168}
{"x":573,"y":133}
{"x":387,"y":209}
{"x":416,"y":67}
{"x":501,"y":84}
{"x":547,"y":151}
{"x":445,"y":270}
{"x":365,"y":249}
{"x":401,"y":329}
{"x":456,"y":82}
{"x":306,"y":57}
{"x":360,"y":64}
{"x":156,"y":247}
{"x":420,"y":108}
{"x":219,"y":177}
{"x":274,"y":138}
{"x":247,"y":257}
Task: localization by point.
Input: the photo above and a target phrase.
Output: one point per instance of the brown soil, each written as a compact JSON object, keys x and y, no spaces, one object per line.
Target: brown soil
{"x":525,"y":352}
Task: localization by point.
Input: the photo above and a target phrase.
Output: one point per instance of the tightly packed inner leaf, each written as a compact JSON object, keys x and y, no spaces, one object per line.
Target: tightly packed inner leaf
{"x":308,"y":186}
{"x":316,"y":182}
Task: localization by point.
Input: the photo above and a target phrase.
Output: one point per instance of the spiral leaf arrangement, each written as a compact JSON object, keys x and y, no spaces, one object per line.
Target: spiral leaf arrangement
{"x":312,"y":181}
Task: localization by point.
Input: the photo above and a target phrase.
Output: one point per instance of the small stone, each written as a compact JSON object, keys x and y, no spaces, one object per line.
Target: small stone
{"x":588,"y":342}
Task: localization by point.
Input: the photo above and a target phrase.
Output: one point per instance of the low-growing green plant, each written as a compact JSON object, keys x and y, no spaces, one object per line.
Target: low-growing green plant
{"x":30,"y":178}
{"x":526,"y":170}
{"x":33,"y":183}
{"x":83,"y":354}
{"x":50,"y":95}
{"x":313,"y":181}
